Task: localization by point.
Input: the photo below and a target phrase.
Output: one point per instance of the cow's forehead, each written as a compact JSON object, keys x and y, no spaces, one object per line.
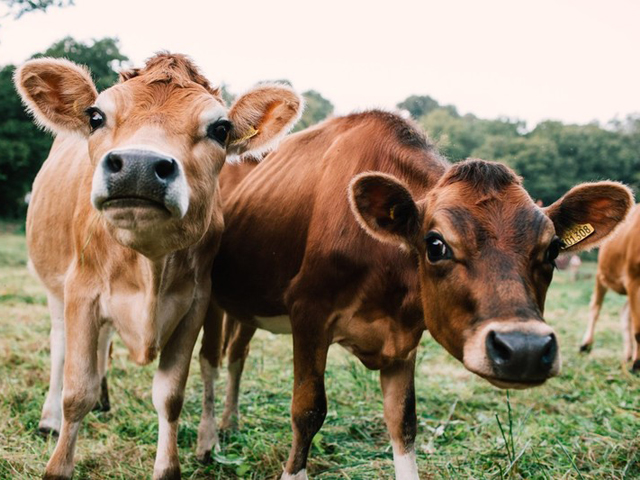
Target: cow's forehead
{"x":471,"y":218}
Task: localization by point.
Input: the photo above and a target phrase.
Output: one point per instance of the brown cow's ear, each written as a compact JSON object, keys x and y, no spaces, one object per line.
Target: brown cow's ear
{"x":261,"y":117}
{"x":588,"y":213}
{"x":57,"y":92}
{"x":384,"y":207}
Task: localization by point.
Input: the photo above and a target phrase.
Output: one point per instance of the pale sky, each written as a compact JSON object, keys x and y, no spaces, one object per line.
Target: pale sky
{"x":575,"y":61}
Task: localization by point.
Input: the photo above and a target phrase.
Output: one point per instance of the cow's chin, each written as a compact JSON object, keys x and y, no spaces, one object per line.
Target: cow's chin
{"x":146,"y":228}
{"x":136,"y":215}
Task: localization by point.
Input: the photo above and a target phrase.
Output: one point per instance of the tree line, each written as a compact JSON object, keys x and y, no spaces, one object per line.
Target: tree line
{"x":551,"y":158}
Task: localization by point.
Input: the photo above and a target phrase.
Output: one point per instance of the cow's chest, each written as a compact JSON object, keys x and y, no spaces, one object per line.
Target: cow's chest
{"x":144,"y":318}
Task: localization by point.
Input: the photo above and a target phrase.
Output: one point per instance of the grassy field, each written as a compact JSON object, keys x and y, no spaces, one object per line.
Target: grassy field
{"x":584,"y":424}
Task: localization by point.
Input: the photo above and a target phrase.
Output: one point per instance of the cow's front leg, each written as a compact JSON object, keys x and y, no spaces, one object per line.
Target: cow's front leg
{"x":400,"y":415}
{"x":309,"y":404}
{"x":168,"y":390}
{"x":81,"y":380}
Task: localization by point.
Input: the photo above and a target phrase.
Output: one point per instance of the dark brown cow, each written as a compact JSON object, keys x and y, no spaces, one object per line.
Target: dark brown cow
{"x":619,"y":270}
{"x":475,"y":254}
{"x":125,"y":220}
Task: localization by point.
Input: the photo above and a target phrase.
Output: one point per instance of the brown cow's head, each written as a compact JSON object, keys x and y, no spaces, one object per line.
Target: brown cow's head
{"x":157,"y":141}
{"x":487,"y":257}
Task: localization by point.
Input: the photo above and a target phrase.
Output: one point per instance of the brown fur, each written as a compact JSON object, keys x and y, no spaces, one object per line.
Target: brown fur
{"x":292,"y":247}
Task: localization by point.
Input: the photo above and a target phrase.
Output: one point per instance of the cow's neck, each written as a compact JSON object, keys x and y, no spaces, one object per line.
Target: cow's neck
{"x":146,"y":316}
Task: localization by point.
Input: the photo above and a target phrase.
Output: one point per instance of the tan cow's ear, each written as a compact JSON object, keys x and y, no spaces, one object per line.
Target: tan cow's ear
{"x":261,"y":117}
{"x":57,"y":92}
{"x":384,"y":207}
{"x":588,"y":213}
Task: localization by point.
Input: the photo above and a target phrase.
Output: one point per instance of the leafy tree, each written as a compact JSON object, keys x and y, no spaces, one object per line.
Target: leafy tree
{"x":17,"y":8}
{"x":418,"y":105}
{"x":103,"y":57}
{"x":316,"y":109}
{"x":24,"y":147}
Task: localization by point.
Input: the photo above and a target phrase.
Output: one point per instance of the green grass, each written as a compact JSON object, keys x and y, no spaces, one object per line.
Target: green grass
{"x":584,"y":424}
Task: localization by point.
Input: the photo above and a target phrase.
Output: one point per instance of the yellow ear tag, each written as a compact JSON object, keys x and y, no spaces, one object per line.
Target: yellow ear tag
{"x":252,"y":133}
{"x":576,"y":234}
{"x":392,"y":212}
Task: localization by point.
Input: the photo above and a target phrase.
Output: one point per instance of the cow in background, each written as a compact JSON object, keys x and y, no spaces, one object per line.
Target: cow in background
{"x":357,"y":232}
{"x":124,"y":221}
{"x":619,"y":270}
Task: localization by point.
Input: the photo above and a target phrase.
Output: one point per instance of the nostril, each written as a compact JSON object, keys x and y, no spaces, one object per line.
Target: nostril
{"x":165,"y":168}
{"x":499,"y":350}
{"x":549,"y":350}
{"x":114,"y":163}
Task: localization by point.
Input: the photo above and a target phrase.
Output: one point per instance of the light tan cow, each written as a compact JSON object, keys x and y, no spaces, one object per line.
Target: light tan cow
{"x":619,"y":270}
{"x":125,"y":220}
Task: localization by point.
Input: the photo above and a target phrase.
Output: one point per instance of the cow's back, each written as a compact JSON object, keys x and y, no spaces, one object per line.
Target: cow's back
{"x":619,"y":256}
{"x":288,"y":223}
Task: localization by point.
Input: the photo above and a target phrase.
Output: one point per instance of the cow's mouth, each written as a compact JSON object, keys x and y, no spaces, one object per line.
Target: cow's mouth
{"x":132,"y":202}
{"x":505,"y":383}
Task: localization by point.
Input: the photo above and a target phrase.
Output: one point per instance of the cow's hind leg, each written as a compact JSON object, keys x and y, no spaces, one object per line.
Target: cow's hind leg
{"x":104,"y":352}
{"x":628,"y":342}
{"x":210,"y":356}
{"x":51,"y":417}
{"x":594,"y":312}
{"x":237,"y":352}
{"x":634,"y":313}
{"x":400,"y":415}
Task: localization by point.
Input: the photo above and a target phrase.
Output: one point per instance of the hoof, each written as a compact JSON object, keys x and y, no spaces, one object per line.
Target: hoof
{"x":169,"y":474}
{"x":103,"y":404}
{"x":204,"y":458}
{"x":585,"y":348}
{"x":636,"y":367}
{"x":48,"y":476}
{"x":47,"y":432}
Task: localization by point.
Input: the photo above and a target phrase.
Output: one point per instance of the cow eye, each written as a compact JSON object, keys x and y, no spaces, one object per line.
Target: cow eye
{"x":554,"y":250}
{"x":96,"y":118}
{"x":437,"y":249}
{"x":219,"y":131}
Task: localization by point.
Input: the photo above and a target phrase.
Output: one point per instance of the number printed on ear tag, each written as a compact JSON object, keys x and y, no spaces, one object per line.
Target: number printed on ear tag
{"x":576,"y":234}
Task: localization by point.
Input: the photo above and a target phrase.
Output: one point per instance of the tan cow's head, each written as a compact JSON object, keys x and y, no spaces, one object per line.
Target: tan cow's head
{"x":486,"y":255}
{"x":156,"y":140}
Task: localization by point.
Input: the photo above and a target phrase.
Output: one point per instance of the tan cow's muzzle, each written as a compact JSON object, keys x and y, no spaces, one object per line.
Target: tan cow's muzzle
{"x":513,"y":353}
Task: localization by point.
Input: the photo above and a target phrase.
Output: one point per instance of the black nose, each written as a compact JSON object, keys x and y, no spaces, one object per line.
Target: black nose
{"x":139,"y":173}
{"x":521,"y":356}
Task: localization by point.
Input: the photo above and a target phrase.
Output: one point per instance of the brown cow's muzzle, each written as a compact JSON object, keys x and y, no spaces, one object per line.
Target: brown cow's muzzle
{"x":513,"y":354}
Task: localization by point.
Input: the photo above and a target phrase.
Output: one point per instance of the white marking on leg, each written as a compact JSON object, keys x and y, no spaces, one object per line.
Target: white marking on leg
{"x":51,"y":417}
{"x":301,"y":475}
{"x":207,"y":430}
{"x":167,"y":454}
{"x":404,"y":463}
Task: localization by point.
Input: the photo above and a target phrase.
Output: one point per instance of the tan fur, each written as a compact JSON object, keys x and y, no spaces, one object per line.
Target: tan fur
{"x":619,"y":270}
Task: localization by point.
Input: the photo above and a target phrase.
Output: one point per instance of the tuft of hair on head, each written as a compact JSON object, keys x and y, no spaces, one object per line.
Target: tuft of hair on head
{"x":175,"y":68}
{"x":485,"y":177}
